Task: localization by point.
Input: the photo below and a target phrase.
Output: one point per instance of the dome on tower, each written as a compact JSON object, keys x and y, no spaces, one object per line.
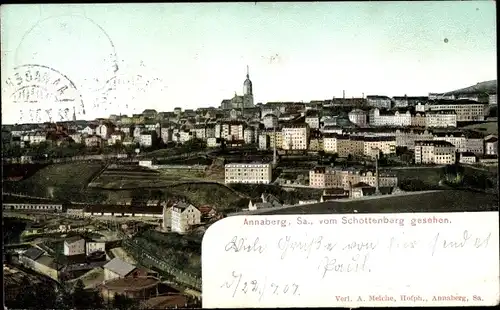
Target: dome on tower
{"x":247,"y":85}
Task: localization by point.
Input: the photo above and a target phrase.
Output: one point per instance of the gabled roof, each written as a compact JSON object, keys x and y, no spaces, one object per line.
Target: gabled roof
{"x":33,"y":253}
{"x":119,"y":267}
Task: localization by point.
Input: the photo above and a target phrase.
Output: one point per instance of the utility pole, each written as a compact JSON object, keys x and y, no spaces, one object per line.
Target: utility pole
{"x":377,"y":190}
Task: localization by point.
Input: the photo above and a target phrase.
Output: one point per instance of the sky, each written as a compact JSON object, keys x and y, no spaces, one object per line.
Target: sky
{"x":124,"y":58}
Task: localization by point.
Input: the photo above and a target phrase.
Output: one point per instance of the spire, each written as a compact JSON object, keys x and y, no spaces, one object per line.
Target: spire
{"x":74,"y":115}
{"x":248,"y":73}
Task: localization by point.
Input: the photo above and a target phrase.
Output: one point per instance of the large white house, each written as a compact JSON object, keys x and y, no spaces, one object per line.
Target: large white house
{"x":256,"y":173}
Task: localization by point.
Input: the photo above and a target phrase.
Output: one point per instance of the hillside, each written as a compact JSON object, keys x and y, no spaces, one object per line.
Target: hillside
{"x":488,"y":87}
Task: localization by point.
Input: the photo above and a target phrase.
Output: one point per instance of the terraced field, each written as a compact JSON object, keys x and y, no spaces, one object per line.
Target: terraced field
{"x":58,"y":181}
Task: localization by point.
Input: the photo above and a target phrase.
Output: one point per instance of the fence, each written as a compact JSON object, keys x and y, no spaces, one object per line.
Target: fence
{"x":150,"y":260}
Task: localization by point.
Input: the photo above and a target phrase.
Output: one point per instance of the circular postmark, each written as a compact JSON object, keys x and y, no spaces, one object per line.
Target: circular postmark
{"x":56,"y":41}
{"x":131,"y":87}
{"x":38,"y":93}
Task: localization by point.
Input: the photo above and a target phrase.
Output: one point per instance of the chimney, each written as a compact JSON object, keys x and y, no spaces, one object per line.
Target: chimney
{"x":274,"y":147}
{"x":350,"y":189}
{"x":343,"y":94}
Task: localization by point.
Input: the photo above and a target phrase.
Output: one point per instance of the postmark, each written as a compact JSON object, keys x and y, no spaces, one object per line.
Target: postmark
{"x":41,"y":93}
{"x":130,"y":85}
{"x":65,"y":42}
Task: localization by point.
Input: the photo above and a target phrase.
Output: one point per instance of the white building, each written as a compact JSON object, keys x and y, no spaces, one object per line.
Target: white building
{"x":264,"y":141}
{"x":358,"y":117}
{"x":116,"y":137}
{"x":461,"y":142}
{"x":446,"y":118}
{"x":255,"y":173}
{"x":312,"y":119}
{"x":146,"y":139}
{"x":491,"y":146}
{"x":104,"y":130}
{"x":295,"y":137}
{"x":89,"y":130}
{"x":74,"y":246}
{"x":92,"y":247}
{"x":379,"y":118}
{"x":435,"y":152}
{"x":381,"y":102}
{"x":248,"y":135}
{"x":183,"y":217}
{"x":466,"y":111}
{"x":270,"y":121}
{"x":467,"y":158}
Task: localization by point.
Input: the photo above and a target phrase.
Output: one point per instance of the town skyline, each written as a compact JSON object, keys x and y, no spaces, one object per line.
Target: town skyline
{"x":295,"y":51}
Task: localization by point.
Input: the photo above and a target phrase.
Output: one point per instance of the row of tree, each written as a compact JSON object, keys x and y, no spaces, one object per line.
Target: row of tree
{"x":49,"y":295}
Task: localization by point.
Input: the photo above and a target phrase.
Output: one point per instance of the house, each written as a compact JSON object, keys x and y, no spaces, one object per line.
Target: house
{"x":266,"y":201}
{"x":116,"y":137}
{"x":491,"y":145}
{"x":362,"y":189}
{"x":184,"y":216}
{"x":92,"y":247}
{"x":104,"y":130}
{"x":93,"y":141}
{"x":119,"y":269}
{"x":89,"y":130}
{"x":333,"y":194}
{"x":36,"y":259}
{"x":467,"y":158}
{"x":147,"y":138}
{"x":74,"y":246}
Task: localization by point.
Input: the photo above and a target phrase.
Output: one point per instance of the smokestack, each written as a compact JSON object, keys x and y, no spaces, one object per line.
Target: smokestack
{"x":343,"y":94}
{"x":363,"y":95}
{"x":274,"y":146}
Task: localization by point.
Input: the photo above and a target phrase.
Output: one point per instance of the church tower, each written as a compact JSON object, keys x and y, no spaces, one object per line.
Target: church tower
{"x":247,"y":92}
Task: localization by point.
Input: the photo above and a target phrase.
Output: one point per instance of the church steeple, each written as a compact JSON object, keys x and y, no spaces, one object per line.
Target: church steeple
{"x":247,"y":85}
{"x":74,"y":115}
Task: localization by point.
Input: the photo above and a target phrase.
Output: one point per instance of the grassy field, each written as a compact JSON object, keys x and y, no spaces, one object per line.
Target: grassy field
{"x":132,"y":177}
{"x":490,"y":128}
{"x":58,"y":181}
{"x":429,"y":176}
{"x":213,"y":194}
{"x":440,"y":201}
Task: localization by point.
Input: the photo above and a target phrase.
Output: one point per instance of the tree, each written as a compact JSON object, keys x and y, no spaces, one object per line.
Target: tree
{"x":123,"y":302}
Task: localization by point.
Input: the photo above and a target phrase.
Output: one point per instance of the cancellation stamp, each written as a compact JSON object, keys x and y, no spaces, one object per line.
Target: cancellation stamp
{"x":41,"y":93}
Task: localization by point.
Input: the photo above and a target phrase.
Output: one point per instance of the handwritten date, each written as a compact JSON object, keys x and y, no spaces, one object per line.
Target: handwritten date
{"x":239,"y":284}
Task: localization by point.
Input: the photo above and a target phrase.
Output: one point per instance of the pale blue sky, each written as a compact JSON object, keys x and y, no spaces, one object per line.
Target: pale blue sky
{"x":195,"y":55}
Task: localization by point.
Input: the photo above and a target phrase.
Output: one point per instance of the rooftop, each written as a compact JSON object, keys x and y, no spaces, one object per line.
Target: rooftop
{"x":119,"y":266}
{"x":131,"y":284}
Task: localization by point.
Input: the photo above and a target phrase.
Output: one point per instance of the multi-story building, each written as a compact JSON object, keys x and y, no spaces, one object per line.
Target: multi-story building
{"x":93,"y":141}
{"x":407,"y":137}
{"x":183,"y":217}
{"x":467,"y":111}
{"x":272,"y":138}
{"x":166,"y":134}
{"x":263,"y":141}
{"x":358,"y":117}
{"x":116,"y":137}
{"x":270,"y":121}
{"x":255,"y":173}
{"x":328,"y":177}
{"x":343,"y":145}
{"x":445,"y":118}
{"x":147,"y":138}
{"x":312,"y":119}
{"x":491,"y":146}
{"x":232,"y":130}
{"x":74,"y":246}
{"x":248,"y":135}
{"x":374,"y":145}
{"x":185,"y":135}
{"x":435,"y":152}
{"x":463,"y":142}
{"x":199,"y":131}
{"x":295,"y":137}
{"x":384,"y":118}
{"x":492,"y":99}
{"x":418,"y":119}
{"x":104,"y":130}
{"x":381,"y":102}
